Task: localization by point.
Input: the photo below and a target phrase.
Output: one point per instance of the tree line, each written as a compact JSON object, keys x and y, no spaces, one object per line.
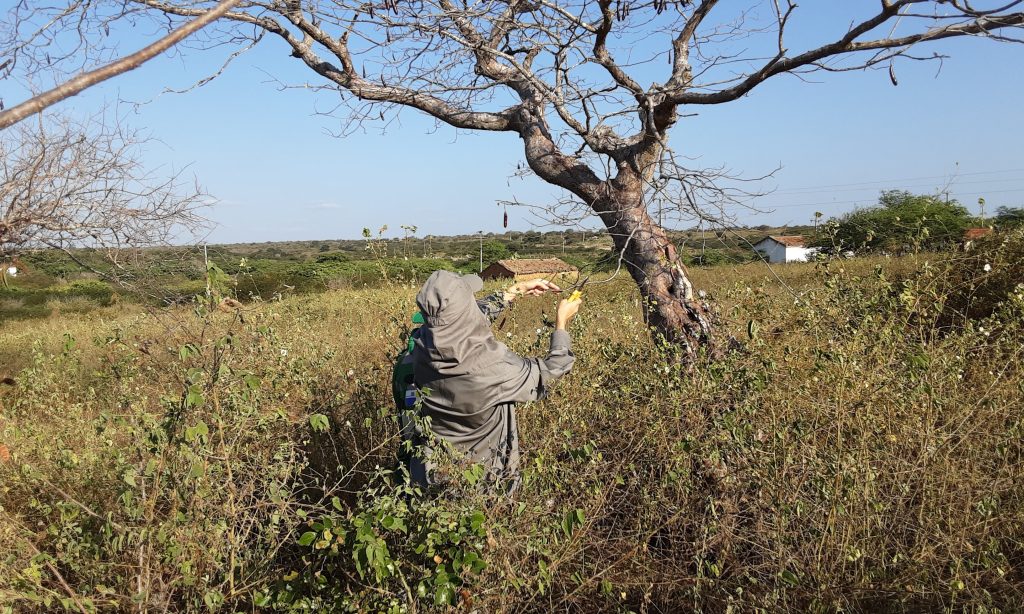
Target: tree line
{"x":902,"y":221}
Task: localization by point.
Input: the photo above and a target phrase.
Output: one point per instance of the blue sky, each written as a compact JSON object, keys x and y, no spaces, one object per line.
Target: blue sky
{"x":278,"y":173}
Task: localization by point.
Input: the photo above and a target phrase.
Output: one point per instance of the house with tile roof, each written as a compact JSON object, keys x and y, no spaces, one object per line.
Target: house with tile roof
{"x":971,"y":235}
{"x":784,"y":248}
{"x":527,"y":268}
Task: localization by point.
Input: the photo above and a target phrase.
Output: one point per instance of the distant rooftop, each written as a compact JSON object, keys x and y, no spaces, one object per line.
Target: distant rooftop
{"x":976,"y":233}
{"x":528,"y":266}
{"x":787,"y":240}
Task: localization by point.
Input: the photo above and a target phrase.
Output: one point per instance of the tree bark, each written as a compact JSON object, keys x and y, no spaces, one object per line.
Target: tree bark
{"x":672,"y":308}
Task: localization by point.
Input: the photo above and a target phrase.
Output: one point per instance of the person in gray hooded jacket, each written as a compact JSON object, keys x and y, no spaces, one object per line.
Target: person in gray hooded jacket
{"x":472,"y":381}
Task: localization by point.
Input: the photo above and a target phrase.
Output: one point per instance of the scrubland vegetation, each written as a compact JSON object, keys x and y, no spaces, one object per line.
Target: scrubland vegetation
{"x":159,"y":276}
{"x":861,"y":451}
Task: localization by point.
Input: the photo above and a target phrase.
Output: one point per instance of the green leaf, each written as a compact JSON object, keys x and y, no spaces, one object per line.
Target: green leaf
{"x":444,"y":594}
{"x":319,"y":422}
{"x":197,"y":471}
{"x":251,"y":381}
{"x":307,"y":538}
{"x":476,"y":520}
{"x":187,"y":350}
{"x":789,"y":577}
{"x":200,"y":430}
{"x":572,"y":520}
{"x":473,"y":474}
{"x":194,"y":398}
{"x":212,"y":599}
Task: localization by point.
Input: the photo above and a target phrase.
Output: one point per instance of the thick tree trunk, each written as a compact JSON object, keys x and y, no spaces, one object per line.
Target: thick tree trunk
{"x":673,"y":308}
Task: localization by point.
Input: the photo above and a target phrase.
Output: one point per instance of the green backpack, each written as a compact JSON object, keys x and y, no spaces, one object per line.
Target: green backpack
{"x":403,"y":389}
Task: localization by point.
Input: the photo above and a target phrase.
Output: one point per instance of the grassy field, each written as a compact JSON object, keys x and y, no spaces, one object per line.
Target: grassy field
{"x":861,"y":452}
{"x":52,"y":282}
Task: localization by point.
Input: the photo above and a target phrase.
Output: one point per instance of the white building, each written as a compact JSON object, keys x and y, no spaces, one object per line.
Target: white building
{"x":787,"y":248}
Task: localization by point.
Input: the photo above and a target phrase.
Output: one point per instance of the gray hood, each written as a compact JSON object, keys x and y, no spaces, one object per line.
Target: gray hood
{"x":456,"y":338}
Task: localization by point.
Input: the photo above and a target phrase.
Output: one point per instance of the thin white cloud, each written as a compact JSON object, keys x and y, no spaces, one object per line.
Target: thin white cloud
{"x":326,"y":206}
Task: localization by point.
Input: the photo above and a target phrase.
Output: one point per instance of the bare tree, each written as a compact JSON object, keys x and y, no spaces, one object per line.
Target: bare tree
{"x":569,"y":79}
{"x":66,"y":184}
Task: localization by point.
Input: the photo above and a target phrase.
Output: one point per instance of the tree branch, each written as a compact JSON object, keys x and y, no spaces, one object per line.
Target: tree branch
{"x":125,"y":64}
{"x":681,"y":70}
{"x":604,"y":57}
{"x":847,"y":44}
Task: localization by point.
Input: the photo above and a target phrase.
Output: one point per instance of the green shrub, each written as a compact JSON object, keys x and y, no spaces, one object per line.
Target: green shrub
{"x":494,"y":250}
{"x":407,"y":549}
{"x":901,"y":222}
{"x":973,"y":286}
{"x":1008,"y":218}
{"x":709,"y":257}
{"x":96,"y":291}
{"x":78,"y":296}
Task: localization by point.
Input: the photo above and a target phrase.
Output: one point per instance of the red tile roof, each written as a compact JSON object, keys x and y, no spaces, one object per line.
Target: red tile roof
{"x":528,"y":266}
{"x":789,"y":240}
{"x":976,"y":233}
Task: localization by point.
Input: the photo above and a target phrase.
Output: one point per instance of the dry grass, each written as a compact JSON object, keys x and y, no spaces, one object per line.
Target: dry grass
{"x":849,"y":458}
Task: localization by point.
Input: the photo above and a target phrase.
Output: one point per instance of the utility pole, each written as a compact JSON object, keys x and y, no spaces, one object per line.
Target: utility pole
{"x":481,"y":233}
{"x":209,"y":293}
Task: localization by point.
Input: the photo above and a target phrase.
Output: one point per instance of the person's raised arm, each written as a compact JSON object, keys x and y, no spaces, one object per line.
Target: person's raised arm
{"x":560,"y":359}
{"x":530,"y":287}
{"x":493,"y":304}
{"x":567,"y":310}
{"x":541,"y":373}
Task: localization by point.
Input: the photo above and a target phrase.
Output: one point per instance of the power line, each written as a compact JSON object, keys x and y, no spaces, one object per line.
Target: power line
{"x":856,"y":183}
{"x":860,"y":200}
{"x":900,"y":185}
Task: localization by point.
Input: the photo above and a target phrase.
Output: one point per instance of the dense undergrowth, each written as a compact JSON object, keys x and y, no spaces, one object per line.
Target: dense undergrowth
{"x":861,"y":452}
